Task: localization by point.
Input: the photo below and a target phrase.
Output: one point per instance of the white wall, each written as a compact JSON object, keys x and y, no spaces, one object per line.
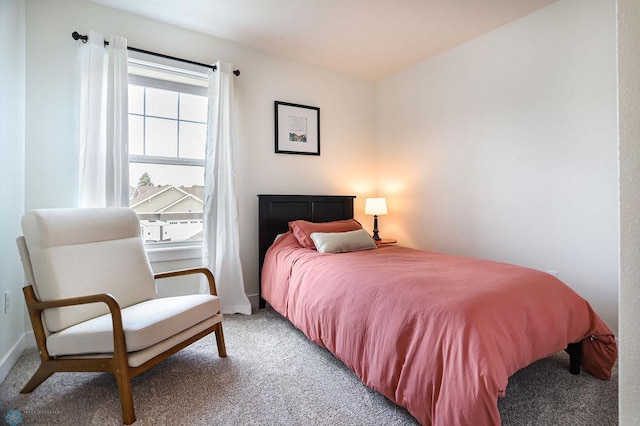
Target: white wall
{"x":506,"y":148}
{"x":12,"y":98}
{"x":629,"y":110}
{"x":347,"y":113}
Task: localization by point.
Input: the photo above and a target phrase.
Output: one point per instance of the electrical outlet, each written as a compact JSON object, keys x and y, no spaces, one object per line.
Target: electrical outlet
{"x":7,"y":301}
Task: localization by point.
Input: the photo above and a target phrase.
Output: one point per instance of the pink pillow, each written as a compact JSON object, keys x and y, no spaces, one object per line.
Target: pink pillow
{"x":302,"y":229}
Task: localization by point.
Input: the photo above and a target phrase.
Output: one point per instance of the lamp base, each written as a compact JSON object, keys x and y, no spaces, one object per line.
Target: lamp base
{"x":375,"y":228}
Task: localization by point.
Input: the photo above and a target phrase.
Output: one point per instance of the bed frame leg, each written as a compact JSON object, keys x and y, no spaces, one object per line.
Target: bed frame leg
{"x":575,"y":353}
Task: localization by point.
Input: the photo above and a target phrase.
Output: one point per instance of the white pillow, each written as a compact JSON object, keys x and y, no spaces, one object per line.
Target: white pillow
{"x":341,"y":242}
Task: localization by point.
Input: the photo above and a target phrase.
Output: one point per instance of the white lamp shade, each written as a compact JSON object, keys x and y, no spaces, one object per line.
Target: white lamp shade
{"x":375,"y":206}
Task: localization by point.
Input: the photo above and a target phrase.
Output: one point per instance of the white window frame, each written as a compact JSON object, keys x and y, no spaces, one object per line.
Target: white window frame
{"x":138,"y":80}
{"x":179,"y":250}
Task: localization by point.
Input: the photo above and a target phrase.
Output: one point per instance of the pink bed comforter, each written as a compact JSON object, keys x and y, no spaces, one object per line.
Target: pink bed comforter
{"x":437,"y":334}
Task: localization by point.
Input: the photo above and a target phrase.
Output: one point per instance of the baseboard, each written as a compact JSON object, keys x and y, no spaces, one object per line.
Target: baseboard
{"x":6,"y":364}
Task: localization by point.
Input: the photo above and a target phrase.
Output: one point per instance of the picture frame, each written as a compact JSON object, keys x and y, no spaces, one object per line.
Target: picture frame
{"x":297,"y":129}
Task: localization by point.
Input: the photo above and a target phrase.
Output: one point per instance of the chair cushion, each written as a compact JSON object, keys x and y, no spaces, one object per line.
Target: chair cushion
{"x":77,"y":252}
{"x":138,"y":358}
{"x":145,"y":324}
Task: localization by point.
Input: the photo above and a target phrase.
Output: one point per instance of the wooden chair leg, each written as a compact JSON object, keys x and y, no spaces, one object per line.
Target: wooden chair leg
{"x":126,"y":397}
{"x":41,"y":374}
{"x":222,"y":350}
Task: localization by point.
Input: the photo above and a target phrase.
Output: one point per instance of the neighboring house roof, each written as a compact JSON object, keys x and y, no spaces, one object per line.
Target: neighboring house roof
{"x":144,"y":193}
{"x":195,"y":190}
{"x":168,"y":199}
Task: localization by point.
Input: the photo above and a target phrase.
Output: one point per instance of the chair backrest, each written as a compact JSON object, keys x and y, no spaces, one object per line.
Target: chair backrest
{"x":78,"y":252}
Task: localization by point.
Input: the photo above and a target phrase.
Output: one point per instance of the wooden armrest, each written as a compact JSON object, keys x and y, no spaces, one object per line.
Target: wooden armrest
{"x":191,"y":271}
{"x":35,"y":308}
{"x":81,"y":300}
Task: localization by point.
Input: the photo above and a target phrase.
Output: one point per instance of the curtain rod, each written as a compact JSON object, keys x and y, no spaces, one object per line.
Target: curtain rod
{"x":77,"y":36}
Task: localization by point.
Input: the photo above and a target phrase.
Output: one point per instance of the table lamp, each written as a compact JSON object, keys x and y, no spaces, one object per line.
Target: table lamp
{"x":375,"y":207}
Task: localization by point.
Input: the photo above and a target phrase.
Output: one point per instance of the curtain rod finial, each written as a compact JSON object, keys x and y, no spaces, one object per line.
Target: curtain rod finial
{"x":77,"y":36}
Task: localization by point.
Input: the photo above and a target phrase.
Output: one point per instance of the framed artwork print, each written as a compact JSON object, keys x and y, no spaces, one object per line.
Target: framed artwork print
{"x":297,"y":129}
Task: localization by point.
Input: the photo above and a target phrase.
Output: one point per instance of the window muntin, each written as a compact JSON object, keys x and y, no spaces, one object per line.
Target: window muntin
{"x":167,"y":140}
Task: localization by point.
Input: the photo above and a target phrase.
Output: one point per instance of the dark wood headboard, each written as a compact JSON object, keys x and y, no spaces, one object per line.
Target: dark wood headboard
{"x":276,"y":211}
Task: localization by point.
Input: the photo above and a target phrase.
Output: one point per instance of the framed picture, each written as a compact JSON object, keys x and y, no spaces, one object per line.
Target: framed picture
{"x":297,"y":129}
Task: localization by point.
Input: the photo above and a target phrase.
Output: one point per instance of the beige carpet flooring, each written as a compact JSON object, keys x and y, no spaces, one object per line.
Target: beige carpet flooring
{"x":274,"y":376}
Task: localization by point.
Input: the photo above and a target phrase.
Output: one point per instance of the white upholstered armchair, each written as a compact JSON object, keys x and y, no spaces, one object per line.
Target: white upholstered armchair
{"x":93,"y":303}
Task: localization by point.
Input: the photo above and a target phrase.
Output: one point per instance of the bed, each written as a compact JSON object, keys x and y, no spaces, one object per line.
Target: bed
{"x":437,"y":334}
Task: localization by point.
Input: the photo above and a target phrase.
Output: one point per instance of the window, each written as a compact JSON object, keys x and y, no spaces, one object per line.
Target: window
{"x":167,"y":142}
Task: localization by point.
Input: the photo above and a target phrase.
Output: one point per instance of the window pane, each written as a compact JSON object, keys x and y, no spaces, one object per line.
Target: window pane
{"x":136,"y":99}
{"x":193,"y":108}
{"x":193,"y":137}
{"x":136,"y":135}
{"x":161,"y":103}
{"x":161,"y":137}
{"x":169,"y":203}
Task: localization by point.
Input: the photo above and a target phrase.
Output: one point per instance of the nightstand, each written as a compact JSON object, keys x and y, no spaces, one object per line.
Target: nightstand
{"x":386,"y":242}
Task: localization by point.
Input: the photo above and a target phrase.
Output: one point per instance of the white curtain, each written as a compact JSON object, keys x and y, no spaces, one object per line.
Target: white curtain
{"x":221,"y":248}
{"x":103,"y":163}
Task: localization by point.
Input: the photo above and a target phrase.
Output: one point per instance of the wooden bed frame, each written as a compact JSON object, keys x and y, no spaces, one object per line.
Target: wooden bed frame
{"x":276,"y":211}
